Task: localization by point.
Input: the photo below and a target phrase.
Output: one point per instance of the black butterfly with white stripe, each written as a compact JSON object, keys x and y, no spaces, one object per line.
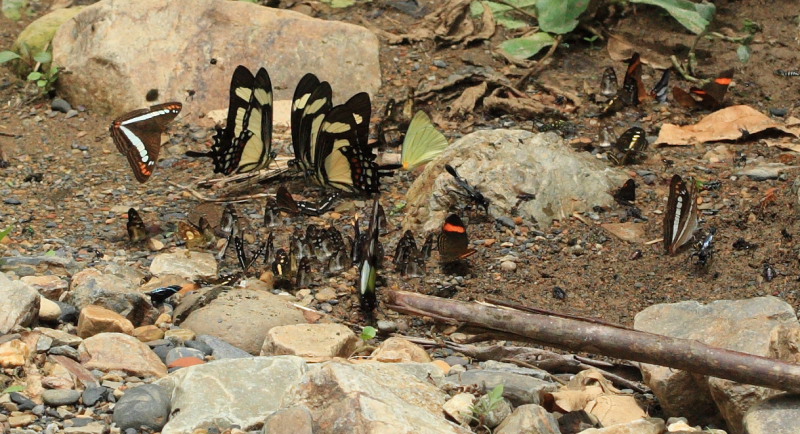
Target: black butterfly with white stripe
{"x":137,"y":135}
{"x":245,"y":144}
{"x":311,"y":102}
{"x":680,"y":218}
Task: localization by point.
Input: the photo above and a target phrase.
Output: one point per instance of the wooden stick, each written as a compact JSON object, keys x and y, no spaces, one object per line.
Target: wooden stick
{"x":577,"y":335}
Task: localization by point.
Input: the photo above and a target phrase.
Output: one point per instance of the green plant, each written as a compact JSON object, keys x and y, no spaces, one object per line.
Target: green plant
{"x":591,"y":41}
{"x":368,"y":333}
{"x":42,"y":72}
{"x":5,"y":232}
{"x":486,"y":404}
{"x":14,"y":388}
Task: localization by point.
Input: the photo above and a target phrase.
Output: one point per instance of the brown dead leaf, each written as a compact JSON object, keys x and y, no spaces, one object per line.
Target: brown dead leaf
{"x":466,"y":102}
{"x":628,"y":231}
{"x":620,"y":50}
{"x":455,"y":24}
{"x":614,"y":409}
{"x":725,"y":124}
{"x":520,"y":106}
{"x":488,"y":26}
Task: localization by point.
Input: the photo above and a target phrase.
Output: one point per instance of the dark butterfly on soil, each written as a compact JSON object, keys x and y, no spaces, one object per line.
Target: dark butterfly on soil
{"x":453,"y":240}
{"x":245,"y":144}
{"x":196,"y":236}
{"x":680,"y":217}
{"x":629,"y":147}
{"x":632,"y":87}
{"x":626,"y":195}
{"x":768,"y":272}
{"x":742,"y":244}
{"x":368,"y":268}
{"x":470,"y":192}
{"x":312,"y":100}
{"x":704,"y":251}
{"x":712,"y":95}
{"x":137,"y":231}
{"x":408,"y":260}
{"x":281,"y":269}
{"x":659,"y":92}
{"x":303,"y":277}
{"x":793,"y":73}
{"x":285,"y":202}
{"x":137,"y":135}
{"x":160,"y":295}
{"x":241,"y":254}
{"x":559,"y":293}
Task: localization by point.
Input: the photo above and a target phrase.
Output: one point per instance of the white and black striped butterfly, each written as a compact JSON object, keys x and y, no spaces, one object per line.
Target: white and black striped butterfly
{"x":311,"y":102}
{"x":245,"y":144}
{"x":137,"y":135}
{"x":680,"y":218}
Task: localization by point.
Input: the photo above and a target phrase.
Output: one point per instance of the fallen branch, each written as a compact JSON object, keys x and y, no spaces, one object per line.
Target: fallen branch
{"x":577,"y":335}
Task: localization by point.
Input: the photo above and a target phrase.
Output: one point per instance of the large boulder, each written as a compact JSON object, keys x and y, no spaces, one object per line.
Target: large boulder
{"x":504,"y":163}
{"x":117,"y":51}
{"x":739,"y":325}
{"x":113,"y":292}
{"x":19,"y":304}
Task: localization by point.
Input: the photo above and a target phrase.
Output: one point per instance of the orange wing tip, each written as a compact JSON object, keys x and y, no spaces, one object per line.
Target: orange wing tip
{"x":449,"y":227}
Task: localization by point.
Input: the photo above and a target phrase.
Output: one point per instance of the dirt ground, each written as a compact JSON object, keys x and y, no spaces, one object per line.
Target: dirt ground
{"x":86,"y":186}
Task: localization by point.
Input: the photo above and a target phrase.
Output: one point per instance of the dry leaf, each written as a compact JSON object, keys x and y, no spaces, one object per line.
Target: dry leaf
{"x":620,"y":50}
{"x":488,"y":26}
{"x":725,"y":124}
{"x":614,"y":409}
{"x":466,"y":102}
{"x":628,"y":231}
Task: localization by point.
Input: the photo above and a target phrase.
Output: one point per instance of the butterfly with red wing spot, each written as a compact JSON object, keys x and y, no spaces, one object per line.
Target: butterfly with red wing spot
{"x":626,"y":195}
{"x":712,"y":95}
{"x":453,"y":241}
{"x":137,"y":135}
{"x":632,"y":87}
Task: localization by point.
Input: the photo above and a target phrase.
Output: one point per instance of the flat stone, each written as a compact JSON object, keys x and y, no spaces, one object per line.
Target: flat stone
{"x":93,"y":394}
{"x":49,"y":311}
{"x":19,"y":304}
{"x":201,"y":394}
{"x":148,"y":333}
{"x":95,"y":319}
{"x":640,"y":426}
{"x":57,"y":397}
{"x":221,"y":349}
{"x":14,"y":353}
{"x":116,"y":351}
{"x":217,"y":36}
{"x":146,"y":406}
{"x":48,"y":286}
{"x":180,"y":334}
{"x":519,"y":389}
{"x":396,"y":350}
{"x":313,"y":342}
{"x":21,"y":420}
{"x":60,"y":337}
{"x":182,"y":262}
{"x":295,"y":420}
{"x":776,"y":415}
{"x":529,"y":419}
{"x":199,"y":346}
{"x":459,"y":407}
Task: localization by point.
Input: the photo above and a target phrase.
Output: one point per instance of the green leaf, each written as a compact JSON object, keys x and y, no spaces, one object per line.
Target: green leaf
{"x":505,"y":15}
{"x":368,"y":333}
{"x":41,"y":83}
{"x":50,"y":253}
{"x":744,"y":52}
{"x":7,"y":56}
{"x":694,"y":16}
{"x":12,"y":389}
{"x":340,"y":3}
{"x":560,"y":16}
{"x":527,"y":47}
{"x":12,"y":9}
{"x":5,"y":232}
{"x":43,"y":57}
{"x":35,"y":75}
{"x":496,"y":394}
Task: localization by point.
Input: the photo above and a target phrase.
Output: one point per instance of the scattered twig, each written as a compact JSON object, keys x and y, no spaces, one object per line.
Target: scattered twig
{"x":678,"y":67}
{"x":15,"y":135}
{"x":540,"y":65}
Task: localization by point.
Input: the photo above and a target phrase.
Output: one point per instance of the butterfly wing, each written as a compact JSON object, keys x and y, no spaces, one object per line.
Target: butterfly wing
{"x":608,"y":84}
{"x":285,"y":201}
{"x":680,"y":218}
{"x":712,"y":95}
{"x":453,"y":241}
{"x":632,"y":86}
{"x":135,"y":226}
{"x":137,"y":135}
{"x":257,"y":149}
{"x":423,"y":142}
{"x":369,"y":263}
{"x":659,"y":92}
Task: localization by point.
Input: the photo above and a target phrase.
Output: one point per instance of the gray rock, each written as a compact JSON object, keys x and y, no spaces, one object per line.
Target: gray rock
{"x":739,"y":325}
{"x":221,"y":349}
{"x":201,"y":394}
{"x":501,"y":163}
{"x":529,"y":419}
{"x":199,"y":346}
{"x":292,"y":420}
{"x":64,"y":350}
{"x":19,"y":304}
{"x":56,"y":397}
{"x":69,"y":313}
{"x":242,"y":317}
{"x":60,"y":105}
{"x":180,"y":352}
{"x":184,"y":263}
{"x":372,"y":397}
{"x":344,"y":54}
{"x":764,"y":172}
{"x":23,"y":402}
{"x":519,"y":389}
{"x":93,"y":394}
{"x":112,"y":292}
{"x":162,"y":351}
{"x":776,"y":415}
{"x":144,"y":406}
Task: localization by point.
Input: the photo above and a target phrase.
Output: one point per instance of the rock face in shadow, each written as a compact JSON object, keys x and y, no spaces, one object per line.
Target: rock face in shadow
{"x":501,"y":164}
{"x":117,"y":51}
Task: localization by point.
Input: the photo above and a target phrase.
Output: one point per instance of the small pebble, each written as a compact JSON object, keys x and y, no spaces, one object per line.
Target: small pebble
{"x":779,"y":112}
{"x":440,"y":63}
{"x":385,"y":326}
{"x":58,"y":397}
{"x":60,"y":105}
{"x":71,"y":114}
{"x":508,"y":266}
{"x":11,"y":201}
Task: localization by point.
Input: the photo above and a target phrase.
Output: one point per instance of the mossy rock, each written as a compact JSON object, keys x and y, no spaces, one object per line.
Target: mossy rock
{"x":39,"y":33}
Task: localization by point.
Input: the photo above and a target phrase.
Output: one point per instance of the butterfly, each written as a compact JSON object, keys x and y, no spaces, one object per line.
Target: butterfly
{"x":285,"y":202}
{"x":303,"y":277}
{"x":137,"y":135}
{"x":408,"y":260}
{"x":196,"y":236}
{"x":245,"y":144}
{"x":659,"y":92}
{"x":280,"y":268}
{"x":629,"y":146}
{"x":471,"y":192}
{"x":423,"y":142}
{"x":453,"y":240}
{"x":712,"y":95}
{"x":241,"y":254}
{"x":312,"y":100}
{"x":160,"y":295}
{"x":626,"y":195}
{"x":680,"y":218}
{"x":632,"y":87}
{"x":137,"y":231}
{"x":367,"y":268}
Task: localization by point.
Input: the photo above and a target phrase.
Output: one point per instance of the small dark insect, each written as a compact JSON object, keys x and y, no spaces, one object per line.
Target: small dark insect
{"x":712,"y":185}
{"x":34,"y":177}
{"x":634,"y":213}
{"x":742,"y":244}
{"x":667,"y":163}
{"x":768,"y":272}
{"x":740,"y":159}
{"x":151,"y":95}
{"x":160,"y":295}
{"x":213,"y":61}
{"x":190,"y":94}
{"x":472,"y":193}
{"x":635,"y":255}
{"x":786,"y":235}
{"x":705,"y":250}
{"x":791,"y":73}
{"x":559,"y":293}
